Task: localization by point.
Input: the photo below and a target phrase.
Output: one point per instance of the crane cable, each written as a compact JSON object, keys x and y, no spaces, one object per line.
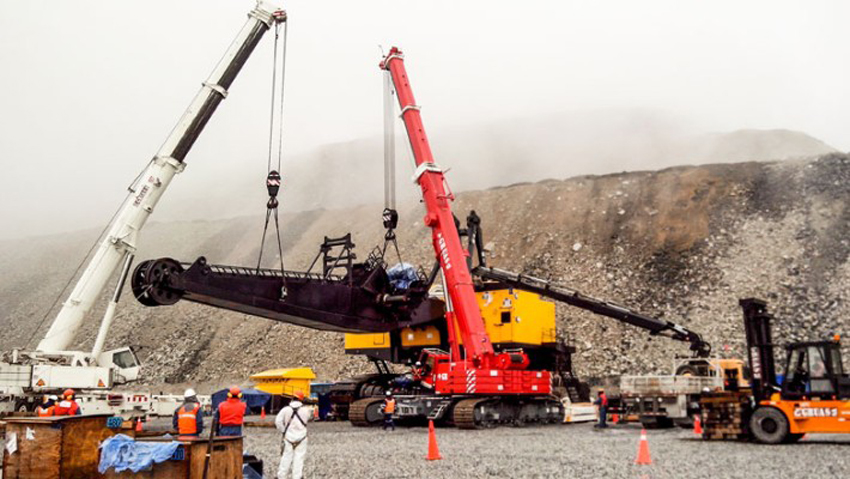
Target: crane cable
{"x":273,"y":179}
{"x":389,"y":215}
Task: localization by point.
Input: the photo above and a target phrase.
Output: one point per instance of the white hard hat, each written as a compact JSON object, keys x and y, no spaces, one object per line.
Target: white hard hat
{"x":389,"y":393}
{"x":189,"y":393}
{"x":53,"y":397}
{"x":418,"y":363}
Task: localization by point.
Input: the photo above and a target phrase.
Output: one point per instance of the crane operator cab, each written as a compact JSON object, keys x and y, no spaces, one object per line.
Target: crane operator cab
{"x":814,"y":370}
{"x":123,"y":362}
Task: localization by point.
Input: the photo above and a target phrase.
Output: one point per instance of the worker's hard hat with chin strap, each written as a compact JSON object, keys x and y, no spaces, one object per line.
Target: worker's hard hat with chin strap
{"x":235,"y":392}
{"x":189,"y":393}
{"x":299,"y":395}
{"x":68,"y":394}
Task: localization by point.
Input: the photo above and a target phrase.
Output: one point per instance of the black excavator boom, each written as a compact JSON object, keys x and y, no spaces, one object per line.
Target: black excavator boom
{"x":548,"y":289}
{"x":345,"y":297}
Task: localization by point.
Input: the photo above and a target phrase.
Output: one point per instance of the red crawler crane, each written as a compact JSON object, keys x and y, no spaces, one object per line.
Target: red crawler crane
{"x":498,"y":383}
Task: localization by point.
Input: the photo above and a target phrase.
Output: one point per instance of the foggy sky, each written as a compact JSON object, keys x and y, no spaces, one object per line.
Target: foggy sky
{"x":90,"y":89}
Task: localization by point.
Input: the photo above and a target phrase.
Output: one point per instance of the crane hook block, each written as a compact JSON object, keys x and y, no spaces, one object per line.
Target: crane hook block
{"x":273,"y":183}
{"x":390,"y":217}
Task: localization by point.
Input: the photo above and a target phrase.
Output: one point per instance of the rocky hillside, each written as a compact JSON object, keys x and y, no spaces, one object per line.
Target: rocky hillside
{"x":519,"y":150}
{"x":684,"y":243}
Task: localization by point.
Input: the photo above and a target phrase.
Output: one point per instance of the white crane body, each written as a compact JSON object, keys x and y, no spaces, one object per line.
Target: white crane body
{"x":52,"y":366}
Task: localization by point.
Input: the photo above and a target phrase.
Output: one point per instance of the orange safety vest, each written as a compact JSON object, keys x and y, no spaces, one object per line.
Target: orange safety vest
{"x":231,"y":412}
{"x":187,"y":419}
{"x":389,"y":406}
{"x":66,"y":408}
{"x":45,"y":411}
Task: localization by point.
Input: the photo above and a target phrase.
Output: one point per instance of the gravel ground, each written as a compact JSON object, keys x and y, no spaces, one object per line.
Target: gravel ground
{"x":339,"y":450}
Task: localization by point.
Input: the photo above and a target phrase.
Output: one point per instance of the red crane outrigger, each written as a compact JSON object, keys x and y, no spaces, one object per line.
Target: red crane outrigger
{"x":481,"y":371}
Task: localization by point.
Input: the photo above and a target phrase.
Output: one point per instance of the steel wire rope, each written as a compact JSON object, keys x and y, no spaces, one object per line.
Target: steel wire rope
{"x":272,"y":206}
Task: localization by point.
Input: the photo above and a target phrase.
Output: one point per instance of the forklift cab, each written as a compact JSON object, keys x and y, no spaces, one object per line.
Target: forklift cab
{"x":814,"y":370}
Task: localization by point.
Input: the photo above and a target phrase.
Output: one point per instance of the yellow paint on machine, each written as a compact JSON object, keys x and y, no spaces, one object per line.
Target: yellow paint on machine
{"x":510,"y":317}
{"x":284,"y":381}
{"x":355,"y":341}
{"x":517,"y":317}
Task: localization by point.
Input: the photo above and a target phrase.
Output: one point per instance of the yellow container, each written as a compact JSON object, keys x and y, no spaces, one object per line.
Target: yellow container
{"x":284,"y":382}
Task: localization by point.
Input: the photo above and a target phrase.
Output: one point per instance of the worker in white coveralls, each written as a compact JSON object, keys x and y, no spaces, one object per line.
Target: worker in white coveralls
{"x":291,"y":421}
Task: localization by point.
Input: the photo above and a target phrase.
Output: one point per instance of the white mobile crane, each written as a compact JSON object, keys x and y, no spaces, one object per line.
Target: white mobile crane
{"x":25,"y":376}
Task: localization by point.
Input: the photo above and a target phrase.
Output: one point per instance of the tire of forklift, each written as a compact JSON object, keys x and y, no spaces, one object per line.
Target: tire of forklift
{"x":769,"y":426}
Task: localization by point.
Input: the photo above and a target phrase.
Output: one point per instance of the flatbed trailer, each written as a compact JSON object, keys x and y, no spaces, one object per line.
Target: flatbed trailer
{"x":667,"y":400}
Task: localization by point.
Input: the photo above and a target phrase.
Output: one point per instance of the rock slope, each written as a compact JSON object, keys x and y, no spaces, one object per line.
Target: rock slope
{"x":684,"y":243}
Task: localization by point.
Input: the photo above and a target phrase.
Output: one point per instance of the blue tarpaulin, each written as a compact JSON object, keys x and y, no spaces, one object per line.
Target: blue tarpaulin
{"x":123,"y":453}
{"x":401,"y":275}
{"x":248,"y":473}
{"x":255,"y":399}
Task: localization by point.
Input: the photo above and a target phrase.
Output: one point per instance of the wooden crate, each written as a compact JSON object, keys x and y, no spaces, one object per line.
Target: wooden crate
{"x":226,"y":461}
{"x":62,"y":447}
{"x":725,"y":415}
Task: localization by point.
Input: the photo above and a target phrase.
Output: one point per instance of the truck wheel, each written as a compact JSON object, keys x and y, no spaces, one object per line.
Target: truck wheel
{"x":769,"y":425}
{"x":21,"y":406}
{"x":688,"y":370}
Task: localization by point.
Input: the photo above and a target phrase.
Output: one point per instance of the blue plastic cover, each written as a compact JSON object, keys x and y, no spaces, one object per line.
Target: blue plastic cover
{"x":123,"y":453}
{"x":248,"y":473}
{"x":401,"y":275}
{"x":255,"y":399}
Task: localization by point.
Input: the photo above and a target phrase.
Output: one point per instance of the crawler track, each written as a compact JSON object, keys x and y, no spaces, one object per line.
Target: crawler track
{"x":365,"y":412}
{"x":489,"y":412}
{"x":468,"y":414}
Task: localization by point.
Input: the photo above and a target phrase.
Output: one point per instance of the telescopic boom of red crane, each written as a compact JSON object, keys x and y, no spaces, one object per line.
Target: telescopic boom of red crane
{"x":439,"y":218}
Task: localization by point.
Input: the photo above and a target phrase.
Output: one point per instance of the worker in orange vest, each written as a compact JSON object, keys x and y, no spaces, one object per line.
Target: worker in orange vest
{"x":189,"y":417}
{"x":389,"y":410}
{"x":68,"y":405}
{"x":602,"y":402}
{"x":417,"y":371}
{"x":231,"y":413}
{"x":46,"y":408}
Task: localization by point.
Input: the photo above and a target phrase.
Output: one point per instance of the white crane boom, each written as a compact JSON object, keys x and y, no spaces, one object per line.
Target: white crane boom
{"x":121,"y":239}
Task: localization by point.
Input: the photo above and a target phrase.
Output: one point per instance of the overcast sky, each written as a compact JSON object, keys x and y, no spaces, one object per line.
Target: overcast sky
{"x":90,"y":89}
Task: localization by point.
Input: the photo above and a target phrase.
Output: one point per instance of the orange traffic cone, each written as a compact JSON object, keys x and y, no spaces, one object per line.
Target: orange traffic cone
{"x":697,"y":425}
{"x":263,"y":412}
{"x":643,"y":457}
{"x":615,"y":418}
{"x":433,"y":450}
{"x":139,"y":426}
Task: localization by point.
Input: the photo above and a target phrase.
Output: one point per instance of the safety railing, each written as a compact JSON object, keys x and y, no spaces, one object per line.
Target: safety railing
{"x":270,"y":273}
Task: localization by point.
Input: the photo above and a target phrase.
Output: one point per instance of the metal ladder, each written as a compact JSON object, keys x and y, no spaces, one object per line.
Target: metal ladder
{"x":436,"y":413}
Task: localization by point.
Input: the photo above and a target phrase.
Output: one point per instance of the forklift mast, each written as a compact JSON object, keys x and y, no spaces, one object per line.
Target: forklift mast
{"x":759,"y":347}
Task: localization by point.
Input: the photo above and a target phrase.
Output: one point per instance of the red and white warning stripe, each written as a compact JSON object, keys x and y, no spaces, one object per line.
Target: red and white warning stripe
{"x":470,"y":381}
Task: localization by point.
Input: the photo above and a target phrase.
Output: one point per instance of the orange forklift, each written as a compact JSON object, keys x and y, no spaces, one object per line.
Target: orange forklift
{"x":813,"y":397}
